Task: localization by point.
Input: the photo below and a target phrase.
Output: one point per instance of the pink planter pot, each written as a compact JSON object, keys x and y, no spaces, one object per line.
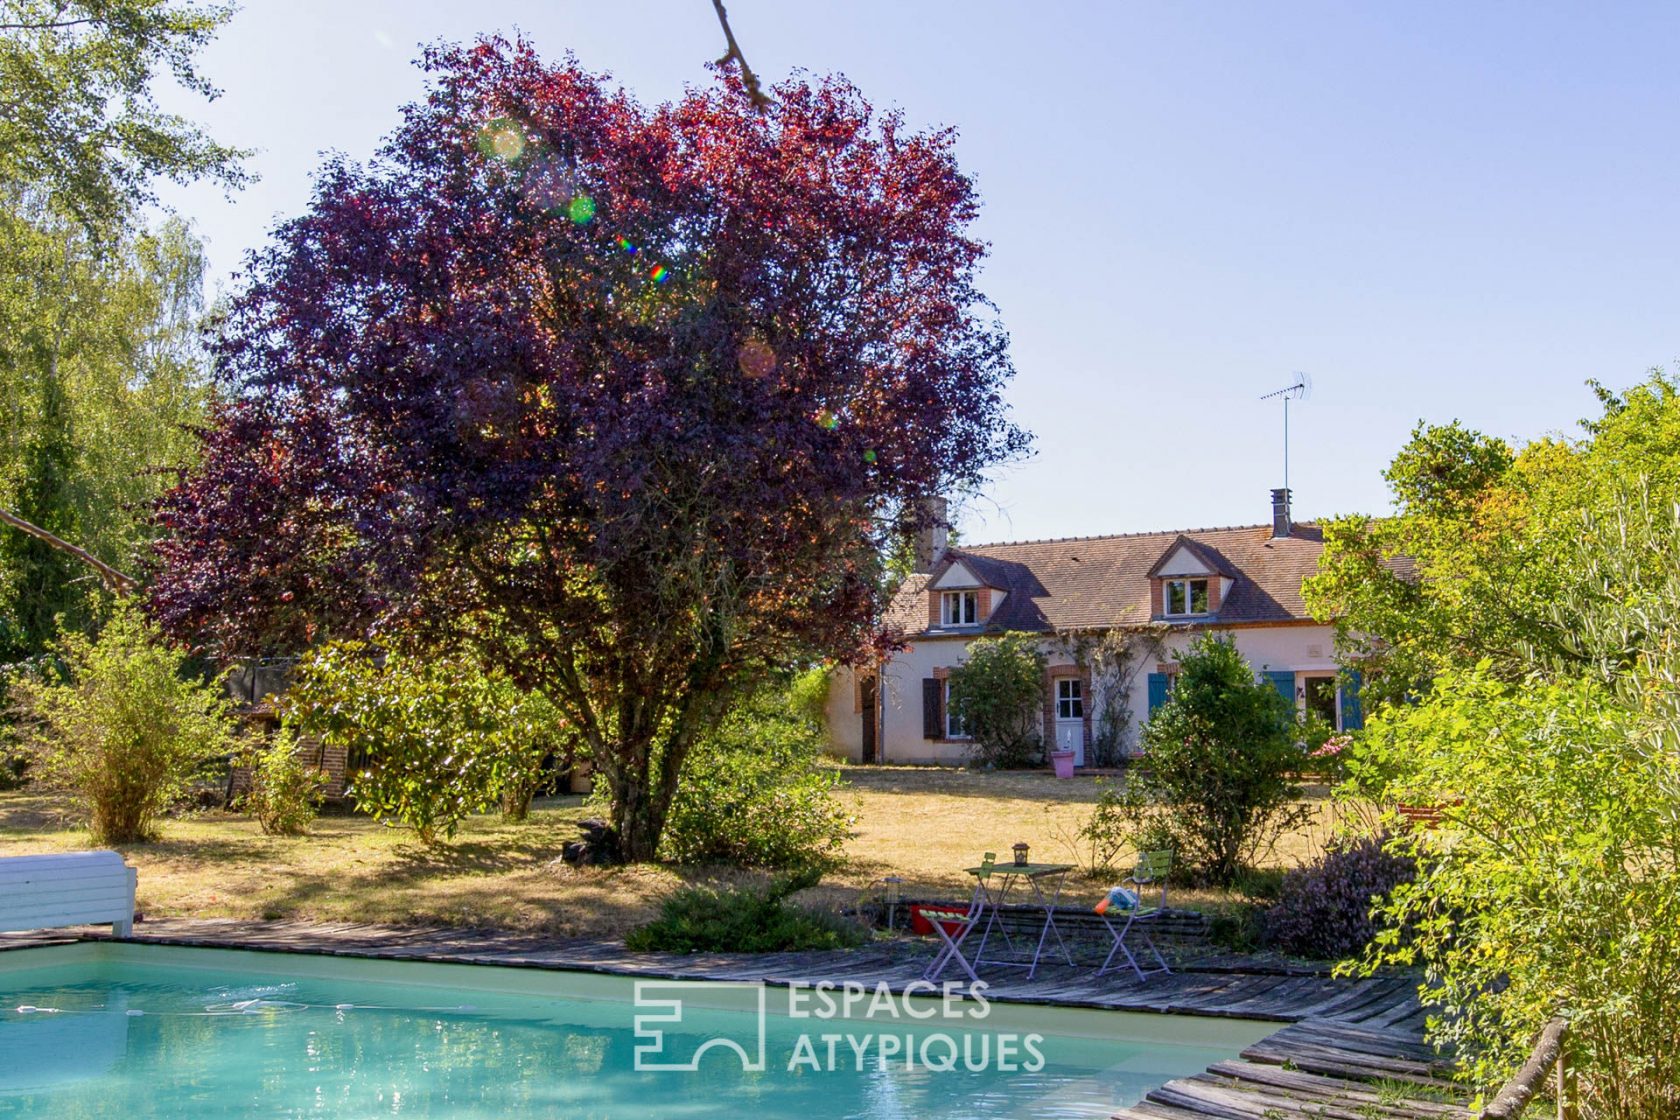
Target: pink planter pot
{"x":1063,"y":762}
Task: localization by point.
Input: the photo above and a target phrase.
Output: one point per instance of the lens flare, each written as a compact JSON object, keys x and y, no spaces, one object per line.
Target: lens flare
{"x":503,"y":139}
{"x":869,"y":455}
{"x":756,"y":357}
{"x":659,"y":274}
{"x":827,"y":419}
{"x":625,"y":244}
{"x":581,"y":210}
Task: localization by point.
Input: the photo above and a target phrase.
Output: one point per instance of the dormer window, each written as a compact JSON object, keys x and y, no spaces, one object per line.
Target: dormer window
{"x":1186,"y":596}
{"x":959,"y":608}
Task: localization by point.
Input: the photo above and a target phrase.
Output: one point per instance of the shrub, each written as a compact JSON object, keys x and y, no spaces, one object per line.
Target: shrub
{"x":1325,"y":909}
{"x":702,"y":919}
{"x":14,"y":750}
{"x":808,"y":696}
{"x":1218,"y":756}
{"x":285,"y":791}
{"x":755,"y":792}
{"x":998,"y":694}
{"x":526,"y":732}
{"x":1553,"y":885}
{"x":434,"y":738}
{"x":121,"y":725}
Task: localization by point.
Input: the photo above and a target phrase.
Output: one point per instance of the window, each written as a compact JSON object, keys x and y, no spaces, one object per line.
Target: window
{"x":960,"y":608}
{"x":1070,"y":698}
{"x":1187,"y":596}
{"x":956,"y":726}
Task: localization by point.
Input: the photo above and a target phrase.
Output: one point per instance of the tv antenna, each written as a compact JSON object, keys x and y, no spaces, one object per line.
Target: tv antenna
{"x":1298,"y":391}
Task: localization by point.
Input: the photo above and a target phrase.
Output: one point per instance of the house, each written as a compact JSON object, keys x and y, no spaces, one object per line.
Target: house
{"x":1148,"y":595}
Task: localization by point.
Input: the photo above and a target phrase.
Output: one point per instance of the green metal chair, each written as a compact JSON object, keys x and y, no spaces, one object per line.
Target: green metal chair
{"x":1132,"y":906}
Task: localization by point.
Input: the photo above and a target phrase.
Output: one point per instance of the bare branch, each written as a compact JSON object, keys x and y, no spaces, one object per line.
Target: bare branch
{"x":114,"y":579}
{"x":754,"y":92}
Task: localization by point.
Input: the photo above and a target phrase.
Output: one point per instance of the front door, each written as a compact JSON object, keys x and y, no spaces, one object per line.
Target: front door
{"x":1321,"y":700}
{"x":1070,"y":717}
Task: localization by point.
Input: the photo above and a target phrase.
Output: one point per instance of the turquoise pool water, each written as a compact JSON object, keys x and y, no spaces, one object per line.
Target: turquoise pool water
{"x":97,"y":1030}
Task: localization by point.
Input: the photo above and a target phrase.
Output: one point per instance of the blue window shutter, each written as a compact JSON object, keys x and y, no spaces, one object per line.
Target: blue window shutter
{"x":1284,"y":682}
{"x":1353,"y":714}
{"x":1157,"y":691}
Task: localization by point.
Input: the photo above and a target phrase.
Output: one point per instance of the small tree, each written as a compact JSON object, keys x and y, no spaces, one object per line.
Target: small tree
{"x":1218,"y":756}
{"x":998,"y":694}
{"x":124,"y":727}
{"x":756,"y":792}
{"x":438,"y":738}
{"x":285,"y":791}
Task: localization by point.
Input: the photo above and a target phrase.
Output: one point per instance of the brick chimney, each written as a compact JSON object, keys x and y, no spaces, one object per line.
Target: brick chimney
{"x":933,"y":532}
{"x":1280,"y":513}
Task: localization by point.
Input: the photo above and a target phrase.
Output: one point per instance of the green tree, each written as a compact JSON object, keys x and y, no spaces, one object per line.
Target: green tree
{"x":101,"y":383}
{"x":997,"y":693}
{"x":98,"y":354}
{"x":438,"y":738}
{"x":1477,"y":552}
{"x":1534,"y":635}
{"x":77,"y":118}
{"x":1553,"y":885}
{"x":123,"y":726}
{"x":1218,"y":760}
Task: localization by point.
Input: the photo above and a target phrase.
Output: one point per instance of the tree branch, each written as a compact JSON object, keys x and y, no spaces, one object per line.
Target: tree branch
{"x":114,"y":579}
{"x":755,"y":93}
{"x":52,"y":25}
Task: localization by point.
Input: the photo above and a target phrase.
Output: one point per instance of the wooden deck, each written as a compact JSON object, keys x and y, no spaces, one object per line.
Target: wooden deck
{"x":1352,"y":1049}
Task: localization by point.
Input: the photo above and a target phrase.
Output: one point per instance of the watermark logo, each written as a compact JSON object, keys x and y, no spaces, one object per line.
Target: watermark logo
{"x":665,"y":997}
{"x":832,"y":1027}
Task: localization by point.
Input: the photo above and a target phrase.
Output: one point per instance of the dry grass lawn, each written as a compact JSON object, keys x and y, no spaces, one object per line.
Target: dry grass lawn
{"x":924,"y":825}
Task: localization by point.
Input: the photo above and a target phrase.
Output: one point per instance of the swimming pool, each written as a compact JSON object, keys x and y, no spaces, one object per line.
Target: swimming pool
{"x":100,"y":1029}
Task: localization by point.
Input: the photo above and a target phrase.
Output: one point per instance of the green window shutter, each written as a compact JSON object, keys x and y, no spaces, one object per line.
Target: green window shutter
{"x":1157,"y":691}
{"x":933,"y":708}
{"x":1284,"y":682}
{"x":1353,"y":713}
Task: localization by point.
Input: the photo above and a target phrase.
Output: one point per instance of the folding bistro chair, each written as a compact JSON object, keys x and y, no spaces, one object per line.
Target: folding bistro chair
{"x":1132,"y":906}
{"x":953,"y":927}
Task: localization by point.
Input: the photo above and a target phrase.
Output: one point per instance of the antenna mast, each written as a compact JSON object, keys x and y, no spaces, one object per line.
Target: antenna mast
{"x":1294,"y":392}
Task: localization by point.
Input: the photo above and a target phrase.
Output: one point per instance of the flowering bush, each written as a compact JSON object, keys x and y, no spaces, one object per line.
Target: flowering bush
{"x":1324,"y":909}
{"x":1330,"y":757}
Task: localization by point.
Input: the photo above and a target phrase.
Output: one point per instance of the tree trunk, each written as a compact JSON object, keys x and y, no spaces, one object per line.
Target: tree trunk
{"x":639,"y":827}
{"x":637,"y":811}
{"x":641,"y":798}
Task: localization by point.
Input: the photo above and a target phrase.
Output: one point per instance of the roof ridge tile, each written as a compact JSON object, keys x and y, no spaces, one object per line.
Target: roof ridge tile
{"x":1125,"y":536}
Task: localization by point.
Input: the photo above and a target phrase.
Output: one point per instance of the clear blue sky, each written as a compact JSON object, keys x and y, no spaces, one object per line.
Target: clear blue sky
{"x":1435,"y":209}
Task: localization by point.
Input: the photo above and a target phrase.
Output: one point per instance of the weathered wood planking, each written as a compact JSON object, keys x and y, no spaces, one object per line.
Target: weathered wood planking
{"x":1317,"y":1067}
{"x":1226,"y":992}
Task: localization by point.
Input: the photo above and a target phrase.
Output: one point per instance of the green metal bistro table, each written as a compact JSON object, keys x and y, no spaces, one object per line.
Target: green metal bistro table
{"x":992,"y":887}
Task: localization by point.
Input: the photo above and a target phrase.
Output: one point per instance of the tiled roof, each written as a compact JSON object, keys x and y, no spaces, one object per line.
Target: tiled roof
{"x":1080,"y":583}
